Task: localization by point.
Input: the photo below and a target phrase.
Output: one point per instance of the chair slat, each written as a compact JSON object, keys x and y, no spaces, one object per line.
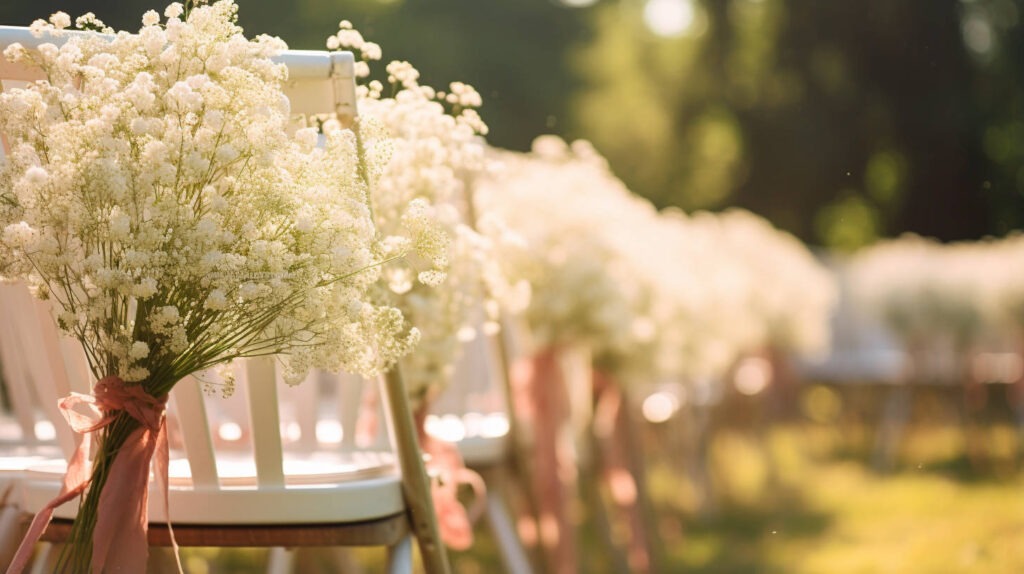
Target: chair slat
{"x":195,"y":429}
{"x":350,"y":390}
{"x":305,"y":401}
{"x":16,"y":375}
{"x":261,"y":384}
{"x":48,"y":378}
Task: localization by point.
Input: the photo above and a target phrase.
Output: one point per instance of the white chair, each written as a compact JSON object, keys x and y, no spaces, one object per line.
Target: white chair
{"x":474,"y":414}
{"x":266,"y":494}
{"x":280,"y":495}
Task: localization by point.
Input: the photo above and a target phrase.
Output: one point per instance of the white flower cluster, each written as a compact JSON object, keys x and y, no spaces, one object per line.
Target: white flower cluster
{"x":789,"y":293}
{"x":653,"y":294}
{"x":153,"y":193}
{"x":569,"y":209}
{"x":925,"y":290}
{"x":435,"y":151}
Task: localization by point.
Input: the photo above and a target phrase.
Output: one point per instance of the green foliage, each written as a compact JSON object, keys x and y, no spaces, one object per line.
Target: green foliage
{"x":779,"y":106}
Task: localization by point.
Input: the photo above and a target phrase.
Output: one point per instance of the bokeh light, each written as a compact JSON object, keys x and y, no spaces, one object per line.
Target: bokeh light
{"x":670,"y":18}
{"x":660,"y":406}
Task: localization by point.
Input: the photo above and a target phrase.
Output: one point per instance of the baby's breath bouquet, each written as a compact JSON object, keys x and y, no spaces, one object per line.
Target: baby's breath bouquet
{"x":435,"y":151}
{"x":942,"y":299}
{"x":569,"y":208}
{"x":790,"y":292}
{"x":152,"y":192}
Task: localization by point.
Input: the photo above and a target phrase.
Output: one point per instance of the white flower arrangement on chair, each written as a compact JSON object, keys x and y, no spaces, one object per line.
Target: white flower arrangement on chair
{"x":435,"y":152}
{"x":152,"y":192}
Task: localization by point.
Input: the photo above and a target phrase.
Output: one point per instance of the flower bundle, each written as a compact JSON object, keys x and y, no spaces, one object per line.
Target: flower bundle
{"x":925,"y":290}
{"x":789,"y":294}
{"x":435,"y":151}
{"x":654,"y":295}
{"x":152,"y":192}
{"x":567,"y":206}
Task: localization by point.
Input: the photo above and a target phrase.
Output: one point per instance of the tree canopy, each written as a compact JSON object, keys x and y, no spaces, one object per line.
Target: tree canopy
{"x":841,"y":121}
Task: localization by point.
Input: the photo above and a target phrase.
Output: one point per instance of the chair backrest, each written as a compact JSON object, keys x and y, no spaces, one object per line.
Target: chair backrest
{"x":319,"y":82}
{"x":266,"y":448}
{"x":35,"y":372}
{"x":474,"y":405}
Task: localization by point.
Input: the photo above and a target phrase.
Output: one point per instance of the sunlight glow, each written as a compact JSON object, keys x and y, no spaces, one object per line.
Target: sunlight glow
{"x":329,"y":431}
{"x":448,"y":427}
{"x":45,"y":430}
{"x":670,"y":18}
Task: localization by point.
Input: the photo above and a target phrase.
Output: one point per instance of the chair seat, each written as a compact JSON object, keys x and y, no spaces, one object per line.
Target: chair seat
{"x":239,"y":469}
{"x":385,"y":531}
{"x":15,"y":458}
{"x":318,"y":489}
{"x":480,"y":451}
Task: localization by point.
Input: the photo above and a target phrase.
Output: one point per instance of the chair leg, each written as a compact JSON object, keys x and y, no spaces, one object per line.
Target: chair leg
{"x":415,"y":482}
{"x":400,"y":556}
{"x":280,"y":561}
{"x":11,"y":532}
{"x":505,"y":535}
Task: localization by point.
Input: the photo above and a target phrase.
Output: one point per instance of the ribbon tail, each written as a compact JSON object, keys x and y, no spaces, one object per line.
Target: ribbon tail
{"x":161,"y":464}
{"x":75,"y":482}
{"x":38,"y":526}
{"x":122,"y":515}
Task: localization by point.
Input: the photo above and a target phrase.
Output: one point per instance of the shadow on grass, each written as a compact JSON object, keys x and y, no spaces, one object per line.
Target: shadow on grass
{"x":739,"y":538}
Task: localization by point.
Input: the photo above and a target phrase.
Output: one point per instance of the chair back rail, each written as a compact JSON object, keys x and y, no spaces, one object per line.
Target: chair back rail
{"x":318,"y":82}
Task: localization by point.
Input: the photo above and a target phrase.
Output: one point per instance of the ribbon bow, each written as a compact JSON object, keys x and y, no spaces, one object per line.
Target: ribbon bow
{"x":119,"y":539}
{"x":454,"y":521}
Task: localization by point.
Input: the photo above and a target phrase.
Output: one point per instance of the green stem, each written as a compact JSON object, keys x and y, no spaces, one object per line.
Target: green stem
{"x":76,"y":556}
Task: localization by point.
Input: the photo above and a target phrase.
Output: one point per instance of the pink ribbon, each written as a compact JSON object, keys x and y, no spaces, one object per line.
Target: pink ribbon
{"x":542,"y":400}
{"x":119,"y":539}
{"x":453,"y":520}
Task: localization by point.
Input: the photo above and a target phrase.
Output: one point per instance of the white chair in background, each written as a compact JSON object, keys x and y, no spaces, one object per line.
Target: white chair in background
{"x":270,"y":492}
{"x":474,"y":414}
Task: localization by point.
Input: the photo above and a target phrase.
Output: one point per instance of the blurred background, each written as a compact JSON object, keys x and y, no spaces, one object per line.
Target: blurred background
{"x":842,"y":122}
{"x":839,"y":121}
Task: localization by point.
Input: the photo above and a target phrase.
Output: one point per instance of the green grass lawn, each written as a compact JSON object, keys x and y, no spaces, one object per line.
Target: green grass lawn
{"x":829,"y":514}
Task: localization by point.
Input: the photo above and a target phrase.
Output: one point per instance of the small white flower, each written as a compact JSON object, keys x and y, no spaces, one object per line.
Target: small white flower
{"x":60,"y":20}
{"x":145,"y":289}
{"x":174,"y":10}
{"x":216,"y":300}
{"x":36,"y":175}
{"x":139,"y":350}
{"x":19,"y":234}
{"x":136,"y":374}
